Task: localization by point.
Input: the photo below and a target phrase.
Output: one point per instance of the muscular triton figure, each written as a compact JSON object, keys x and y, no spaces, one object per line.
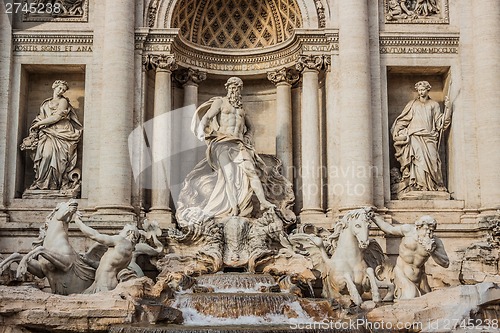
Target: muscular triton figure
{"x":417,"y":245}
{"x":228,"y":133}
{"x":116,"y":258}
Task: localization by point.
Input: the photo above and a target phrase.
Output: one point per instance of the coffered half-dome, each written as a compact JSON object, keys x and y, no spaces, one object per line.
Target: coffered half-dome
{"x":236,"y":24}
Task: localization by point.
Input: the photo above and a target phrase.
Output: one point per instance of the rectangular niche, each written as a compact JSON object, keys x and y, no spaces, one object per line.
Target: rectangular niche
{"x":36,"y":87}
{"x":401,"y":90}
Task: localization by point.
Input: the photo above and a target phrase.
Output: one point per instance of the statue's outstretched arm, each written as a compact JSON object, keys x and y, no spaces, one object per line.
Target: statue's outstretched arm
{"x":94,"y":234}
{"x":388,"y":228}
{"x":439,"y":254}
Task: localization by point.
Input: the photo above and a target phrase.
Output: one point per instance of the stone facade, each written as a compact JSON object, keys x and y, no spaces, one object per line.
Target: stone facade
{"x":324,"y":81}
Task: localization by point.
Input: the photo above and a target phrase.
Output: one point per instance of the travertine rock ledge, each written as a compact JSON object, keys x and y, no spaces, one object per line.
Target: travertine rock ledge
{"x":26,"y":307}
{"x":442,"y":310}
{"x":32,"y":308}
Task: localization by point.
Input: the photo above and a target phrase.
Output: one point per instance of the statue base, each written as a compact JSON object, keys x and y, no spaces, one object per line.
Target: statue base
{"x":52,"y":194}
{"x":163,"y":217}
{"x":424,"y":195}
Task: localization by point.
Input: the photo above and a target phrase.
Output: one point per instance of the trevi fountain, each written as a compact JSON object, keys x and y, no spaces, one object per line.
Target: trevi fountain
{"x":249,"y":166}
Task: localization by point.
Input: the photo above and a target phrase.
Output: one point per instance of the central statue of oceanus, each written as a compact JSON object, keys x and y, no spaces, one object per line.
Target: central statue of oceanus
{"x":233,"y":180}
{"x":235,"y":202}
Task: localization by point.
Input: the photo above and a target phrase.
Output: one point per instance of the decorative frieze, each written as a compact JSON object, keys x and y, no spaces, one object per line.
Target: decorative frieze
{"x":419,"y":44}
{"x":416,"y":11}
{"x":252,"y":60}
{"x":55,"y":11}
{"x":156,"y":42}
{"x":69,"y":43}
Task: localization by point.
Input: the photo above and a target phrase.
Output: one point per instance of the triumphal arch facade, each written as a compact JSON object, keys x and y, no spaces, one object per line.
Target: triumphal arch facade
{"x":325,"y":85}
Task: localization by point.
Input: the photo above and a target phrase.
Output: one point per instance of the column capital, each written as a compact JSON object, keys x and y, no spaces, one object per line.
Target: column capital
{"x":327,"y":62}
{"x":159,"y":62}
{"x":284,"y":75}
{"x":310,"y":62}
{"x":190,"y":75}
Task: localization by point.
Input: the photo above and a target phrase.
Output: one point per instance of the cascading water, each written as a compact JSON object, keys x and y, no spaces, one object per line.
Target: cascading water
{"x":236,"y":300}
{"x":235,"y":282}
{"x":235,"y":305}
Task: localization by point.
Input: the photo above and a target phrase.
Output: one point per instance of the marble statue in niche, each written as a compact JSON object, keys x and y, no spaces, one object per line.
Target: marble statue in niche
{"x":233,"y":175}
{"x":52,"y":145}
{"x":235,"y":202}
{"x":418,"y":133}
{"x":417,"y":245}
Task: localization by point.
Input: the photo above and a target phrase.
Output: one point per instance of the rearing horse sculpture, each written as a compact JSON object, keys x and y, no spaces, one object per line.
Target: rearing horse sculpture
{"x":53,"y":256}
{"x":351,"y":267}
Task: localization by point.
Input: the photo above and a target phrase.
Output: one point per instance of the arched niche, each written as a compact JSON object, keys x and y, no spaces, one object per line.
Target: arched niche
{"x":159,"y":13}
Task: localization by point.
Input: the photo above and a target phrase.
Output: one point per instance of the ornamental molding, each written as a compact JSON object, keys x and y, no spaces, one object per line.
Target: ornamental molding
{"x":56,"y":42}
{"x":320,"y":10}
{"x":423,"y":44}
{"x":239,"y":62}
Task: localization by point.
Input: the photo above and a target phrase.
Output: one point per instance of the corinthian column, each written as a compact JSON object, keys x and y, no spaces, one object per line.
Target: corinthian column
{"x":487,"y":100}
{"x":283,"y":79}
{"x":191,"y":150}
{"x":161,"y":146}
{"x":5,"y":83}
{"x":115,"y":176}
{"x":355,"y":105}
{"x":310,"y":134}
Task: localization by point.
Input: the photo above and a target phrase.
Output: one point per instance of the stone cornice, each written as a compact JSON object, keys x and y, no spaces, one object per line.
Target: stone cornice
{"x":52,"y":42}
{"x":246,"y":61}
{"x":419,"y":44}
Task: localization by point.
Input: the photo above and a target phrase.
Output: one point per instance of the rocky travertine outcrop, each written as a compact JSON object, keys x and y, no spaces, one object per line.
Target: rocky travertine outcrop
{"x":28,"y":308}
{"x":445,"y":310}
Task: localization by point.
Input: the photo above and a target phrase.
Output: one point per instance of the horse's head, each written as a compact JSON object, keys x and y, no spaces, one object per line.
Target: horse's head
{"x":64,"y":211}
{"x":358,"y":221}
